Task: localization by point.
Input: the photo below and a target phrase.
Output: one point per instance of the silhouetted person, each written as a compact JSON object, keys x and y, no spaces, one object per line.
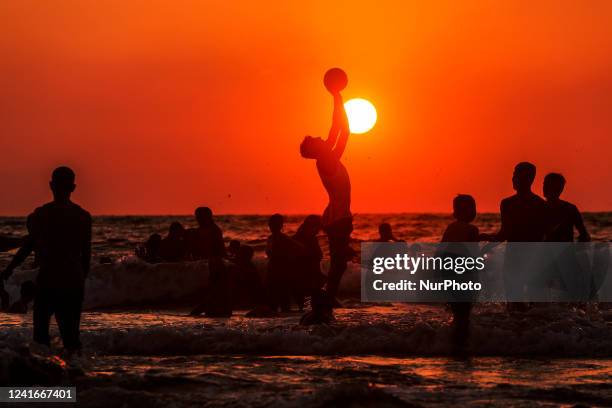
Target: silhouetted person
{"x":27,"y":293}
{"x":206,"y":240}
{"x":462,"y":229}
{"x":337,"y":218}
{"x":523,"y":219}
{"x":233,"y":248}
{"x":173,"y":248}
{"x":60,"y":234}
{"x":562,"y":216}
{"x":281,"y":252}
{"x":149,"y":252}
{"x":459,"y":231}
{"x":308,"y":279}
{"x":523,"y":215}
{"x":385,"y":233}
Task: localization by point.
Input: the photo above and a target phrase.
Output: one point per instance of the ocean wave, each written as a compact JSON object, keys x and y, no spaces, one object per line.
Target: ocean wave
{"x":560,"y":334}
{"x":397,"y":330}
{"x":134,"y":282}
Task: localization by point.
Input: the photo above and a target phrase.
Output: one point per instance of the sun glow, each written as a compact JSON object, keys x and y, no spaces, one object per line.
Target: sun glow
{"x":361,"y":115}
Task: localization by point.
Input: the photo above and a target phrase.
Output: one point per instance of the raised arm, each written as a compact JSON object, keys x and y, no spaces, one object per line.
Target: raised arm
{"x":332,"y":136}
{"x":340,"y":127}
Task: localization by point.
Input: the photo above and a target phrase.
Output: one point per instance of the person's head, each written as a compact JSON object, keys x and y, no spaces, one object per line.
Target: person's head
{"x":204,"y":216}
{"x":523,"y":176}
{"x":245,"y":253}
{"x":234,"y":246}
{"x":311,"y":225}
{"x":313,"y":147}
{"x":464,"y":208}
{"x":385,"y":231}
{"x":554,"y":183}
{"x":62,"y":183}
{"x":153,"y":242}
{"x":276,"y":222}
{"x":27,"y":291}
{"x":176,"y":230}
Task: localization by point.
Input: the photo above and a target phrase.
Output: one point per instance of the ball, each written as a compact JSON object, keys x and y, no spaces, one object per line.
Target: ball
{"x":335,"y":80}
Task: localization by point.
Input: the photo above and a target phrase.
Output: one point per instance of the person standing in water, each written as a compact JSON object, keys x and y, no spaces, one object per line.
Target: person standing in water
{"x":59,"y":233}
{"x":523,"y":215}
{"x":337,"y":219}
{"x":523,"y":219}
{"x":563,"y":216}
{"x":206,"y":242}
{"x":459,"y":233}
{"x":308,"y":279}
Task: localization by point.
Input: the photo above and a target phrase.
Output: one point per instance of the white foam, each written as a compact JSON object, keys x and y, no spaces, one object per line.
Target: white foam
{"x":132,"y":281}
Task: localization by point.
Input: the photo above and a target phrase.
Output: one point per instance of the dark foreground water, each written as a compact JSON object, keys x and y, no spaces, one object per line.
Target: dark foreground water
{"x":374,"y":355}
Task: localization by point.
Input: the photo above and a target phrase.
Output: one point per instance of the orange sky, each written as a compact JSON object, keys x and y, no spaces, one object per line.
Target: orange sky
{"x":161,"y":106}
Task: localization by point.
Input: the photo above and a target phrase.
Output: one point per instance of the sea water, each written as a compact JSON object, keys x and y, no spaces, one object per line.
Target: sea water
{"x":141,"y":348}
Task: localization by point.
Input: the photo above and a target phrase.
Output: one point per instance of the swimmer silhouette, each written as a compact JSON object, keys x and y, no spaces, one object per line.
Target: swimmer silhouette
{"x":385,"y":232}
{"x":337,"y":218}
{"x":60,"y":234}
{"x":173,"y":247}
{"x":562,"y":216}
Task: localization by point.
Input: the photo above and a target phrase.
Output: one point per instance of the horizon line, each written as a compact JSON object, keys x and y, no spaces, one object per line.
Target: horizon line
{"x":291,"y":214}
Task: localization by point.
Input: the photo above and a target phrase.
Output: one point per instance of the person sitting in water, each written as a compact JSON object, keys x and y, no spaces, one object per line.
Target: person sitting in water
{"x":309,"y":278}
{"x":461,"y":230}
{"x":562,"y":216}
{"x":386,"y":236}
{"x":27,"y":292}
{"x":149,"y":252}
{"x":281,"y":251}
{"x":385,"y":233}
{"x":173,"y":248}
{"x":233,"y":249}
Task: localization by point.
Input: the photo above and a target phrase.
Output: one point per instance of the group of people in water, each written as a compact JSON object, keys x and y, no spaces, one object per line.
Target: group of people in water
{"x":180,"y":244}
{"x":60,"y":234}
{"x":293,"y":271}
{"x":525,"y":217}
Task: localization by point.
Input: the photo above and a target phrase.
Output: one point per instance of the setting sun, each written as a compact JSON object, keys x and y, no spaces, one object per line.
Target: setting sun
{"x":361,"y":115}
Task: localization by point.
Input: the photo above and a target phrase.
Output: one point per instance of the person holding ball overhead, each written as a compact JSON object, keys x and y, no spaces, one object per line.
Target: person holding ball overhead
{"x":337,"y":219}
